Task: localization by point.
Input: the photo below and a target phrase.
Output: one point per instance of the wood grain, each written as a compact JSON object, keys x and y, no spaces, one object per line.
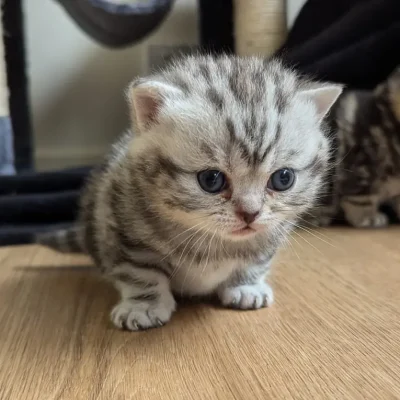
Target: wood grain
{"x":334,"y":332}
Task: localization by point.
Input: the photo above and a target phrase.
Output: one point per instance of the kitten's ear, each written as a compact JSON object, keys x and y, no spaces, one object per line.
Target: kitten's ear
{"x":147,"y":99}
{"x":323,"y":97}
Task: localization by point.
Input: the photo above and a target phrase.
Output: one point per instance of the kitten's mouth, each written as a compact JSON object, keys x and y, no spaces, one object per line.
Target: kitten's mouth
{"x":247,"y":230}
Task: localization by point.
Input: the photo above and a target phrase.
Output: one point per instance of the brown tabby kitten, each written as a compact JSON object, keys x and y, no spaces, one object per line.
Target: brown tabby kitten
{"x":367,"y":174}
{"x":227,"y":154}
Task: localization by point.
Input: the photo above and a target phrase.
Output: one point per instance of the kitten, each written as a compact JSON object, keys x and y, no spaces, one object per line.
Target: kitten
{"x":367,"y":174}
{"x":227,"y":153}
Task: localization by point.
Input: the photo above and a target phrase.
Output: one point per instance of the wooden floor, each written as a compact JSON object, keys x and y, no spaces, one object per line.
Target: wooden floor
{"x":333,"y":333}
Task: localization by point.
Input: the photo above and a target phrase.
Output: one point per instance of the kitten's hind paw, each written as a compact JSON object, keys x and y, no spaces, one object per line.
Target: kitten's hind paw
{"x":379,"y":220}
{"x":247,"y":297}
{"x":136,"y":315}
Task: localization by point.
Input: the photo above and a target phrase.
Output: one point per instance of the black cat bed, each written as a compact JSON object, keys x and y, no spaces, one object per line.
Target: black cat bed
{"x":117,"y":24}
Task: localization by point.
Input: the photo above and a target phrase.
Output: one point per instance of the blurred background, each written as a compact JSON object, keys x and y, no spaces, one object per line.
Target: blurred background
{"x":64,"y":66}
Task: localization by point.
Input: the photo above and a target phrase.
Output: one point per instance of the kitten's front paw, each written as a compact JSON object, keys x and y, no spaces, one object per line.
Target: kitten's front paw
{"x":134,"y":315}
{"x":379,"y":220}
{"x":247,"y":297}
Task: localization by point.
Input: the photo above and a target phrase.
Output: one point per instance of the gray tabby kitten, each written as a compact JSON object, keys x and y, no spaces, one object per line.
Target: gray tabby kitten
{"x":227,"y":153}
{"x":367,"y":174}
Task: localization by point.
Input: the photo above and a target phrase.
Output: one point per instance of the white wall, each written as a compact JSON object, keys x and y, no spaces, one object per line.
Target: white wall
{"x":293,"y":8}
{"x":76,"y":86}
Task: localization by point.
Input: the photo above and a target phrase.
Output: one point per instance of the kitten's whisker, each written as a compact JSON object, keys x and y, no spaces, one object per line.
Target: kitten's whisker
{"x":178,"y":264}
{"x":182,"y":233}
{"x":208,"y":253}
{"x":183,"y":241}
{"x":319,"y":228}
{"x":312,"y":234}
{"x":310,"y":223}
{"x":309,"y":243}
{"x":223,"y":246}
{"x":204,"y":236}
{"x":183,"y":251}
{"x":284,"y":235}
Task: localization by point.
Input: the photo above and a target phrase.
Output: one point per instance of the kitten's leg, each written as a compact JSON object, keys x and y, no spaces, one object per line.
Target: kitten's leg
{"x":247,"y":289}
{"x":362,"y":211}
{"x":146,"y":298}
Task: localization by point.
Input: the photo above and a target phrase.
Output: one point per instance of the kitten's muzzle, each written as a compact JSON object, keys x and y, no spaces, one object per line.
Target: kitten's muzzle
{"x":247,"y":217}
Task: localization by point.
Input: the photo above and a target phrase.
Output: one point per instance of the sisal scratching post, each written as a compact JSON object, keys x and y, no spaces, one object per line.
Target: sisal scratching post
{"x":259,"y":26}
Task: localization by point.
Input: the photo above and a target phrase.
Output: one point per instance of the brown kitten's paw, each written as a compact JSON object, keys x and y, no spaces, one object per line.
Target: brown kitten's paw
{"x":134,"y":316}
{"x":379,"y":220}
{"x":247,"y":297}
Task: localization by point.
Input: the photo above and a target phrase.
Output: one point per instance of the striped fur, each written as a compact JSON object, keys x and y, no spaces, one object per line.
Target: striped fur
{"x":151,"y":228}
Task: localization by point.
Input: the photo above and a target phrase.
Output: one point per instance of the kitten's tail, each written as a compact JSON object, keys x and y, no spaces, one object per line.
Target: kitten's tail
{"x":64,"y":241}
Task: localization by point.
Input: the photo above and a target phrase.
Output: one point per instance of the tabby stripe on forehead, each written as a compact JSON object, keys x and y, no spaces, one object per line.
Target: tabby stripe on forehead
{"x":245,"y":152}
{"x":250,"y":125}
{"x":231,"y":130}
{"x":166,"y":165}
{"x":259,"y":81}
{"x":205,"y":72}
{"x":272,"y":144}
{"x":281,"y":101}
{"x":215,"y":98}
{"x":234,"y":84}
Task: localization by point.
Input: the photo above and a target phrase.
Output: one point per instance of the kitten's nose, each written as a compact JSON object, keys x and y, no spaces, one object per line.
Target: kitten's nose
{"x":247,"y":216}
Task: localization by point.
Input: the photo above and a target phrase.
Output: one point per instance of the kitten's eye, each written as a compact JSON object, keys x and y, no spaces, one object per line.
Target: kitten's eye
{"x":211,"y":181}
{"x":281,"y":180}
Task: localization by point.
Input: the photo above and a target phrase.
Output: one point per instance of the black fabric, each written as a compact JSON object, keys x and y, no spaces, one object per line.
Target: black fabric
{"x":43,"y":182}
{"x":362,"y":65}
{"x":14,"y":44}
{"x":38,"y":207}
{"x":216,"y":26}
{"x":315,"y":17}
{"x":358,"y":48}
{"x":103,"y":21}
{"x":37,"y":202}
